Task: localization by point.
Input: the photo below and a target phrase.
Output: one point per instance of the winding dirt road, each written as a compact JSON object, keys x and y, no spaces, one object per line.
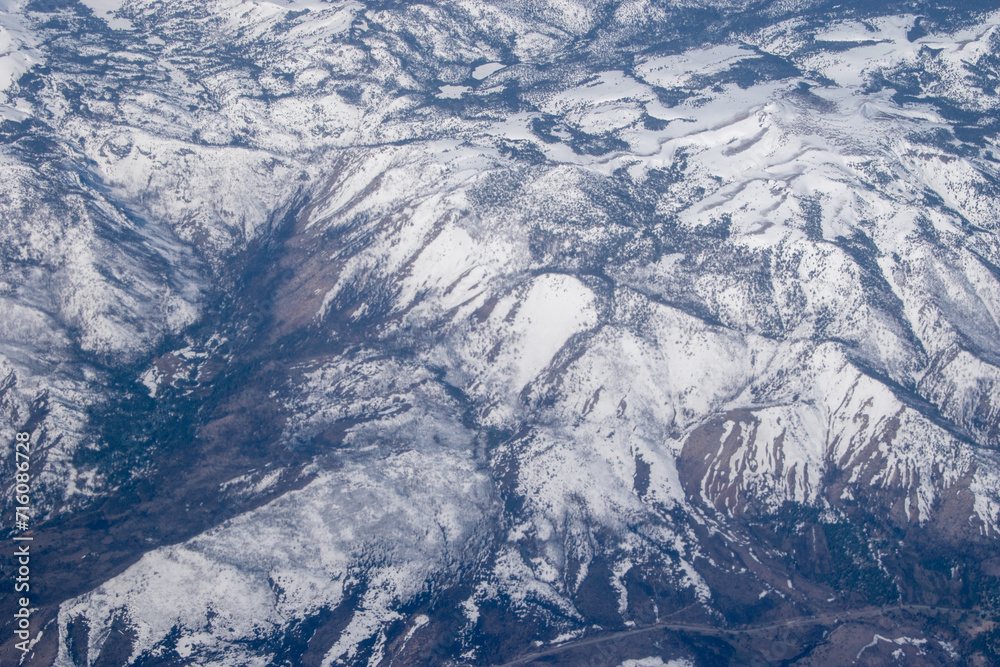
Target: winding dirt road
{"x":716,"y":631}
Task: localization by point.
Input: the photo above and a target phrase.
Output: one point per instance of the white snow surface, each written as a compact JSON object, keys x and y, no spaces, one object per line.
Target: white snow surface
{"x":770,"y":344}
{"x":486,"y":69}
{"x":655,"y":661}
{"x":251,"y":581}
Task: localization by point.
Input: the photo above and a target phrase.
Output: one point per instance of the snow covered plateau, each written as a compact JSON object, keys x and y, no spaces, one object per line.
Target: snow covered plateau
{"x":367,"y":332}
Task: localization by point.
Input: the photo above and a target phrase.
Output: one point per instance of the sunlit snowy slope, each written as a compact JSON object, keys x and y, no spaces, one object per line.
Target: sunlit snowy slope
{"x":440,"y":334}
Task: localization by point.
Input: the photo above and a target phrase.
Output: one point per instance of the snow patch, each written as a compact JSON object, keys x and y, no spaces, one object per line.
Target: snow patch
{"x":486,"y":70}
{"x":452,"y":92}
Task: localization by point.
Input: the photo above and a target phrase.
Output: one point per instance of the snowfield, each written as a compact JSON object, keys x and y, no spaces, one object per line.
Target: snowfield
{"x":543,"y":328}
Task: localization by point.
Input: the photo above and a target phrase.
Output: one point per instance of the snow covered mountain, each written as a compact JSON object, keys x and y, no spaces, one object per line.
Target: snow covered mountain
{"x":442,"y":334}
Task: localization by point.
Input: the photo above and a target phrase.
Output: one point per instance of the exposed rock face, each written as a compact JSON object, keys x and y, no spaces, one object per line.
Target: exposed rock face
{"x":384,"y":334}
